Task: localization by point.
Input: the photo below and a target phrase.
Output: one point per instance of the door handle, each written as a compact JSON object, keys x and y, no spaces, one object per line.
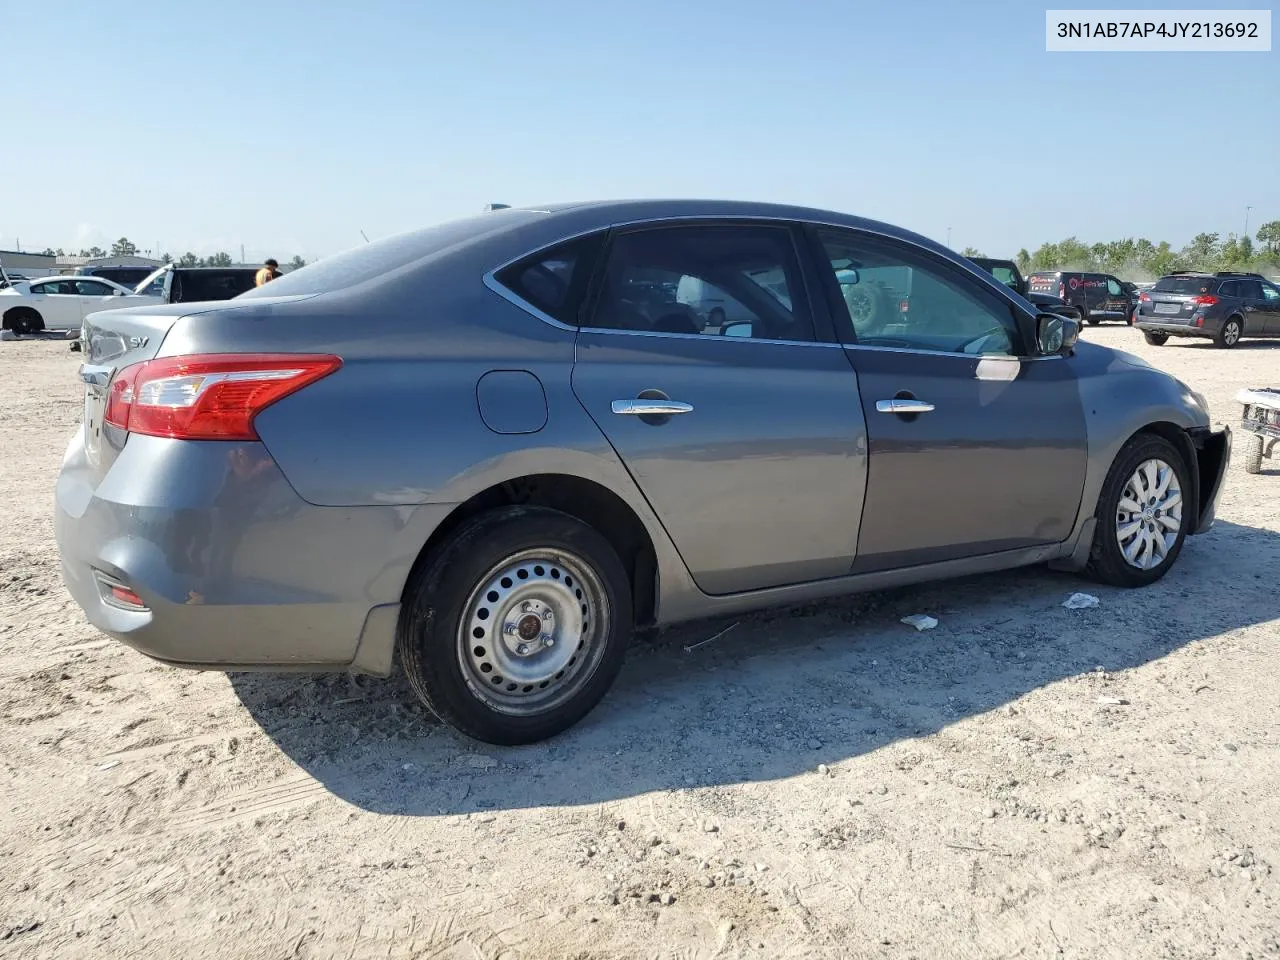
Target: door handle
{"x":902,"y":405}
{"x":650,"y":408}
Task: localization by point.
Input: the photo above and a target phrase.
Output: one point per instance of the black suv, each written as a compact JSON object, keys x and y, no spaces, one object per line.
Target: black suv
{"x":1100,"y":296}
{"x":189,"y":284}
{"x":1220,"y":306}
{"x":125,"y":276}
{"x":1007,"y":272}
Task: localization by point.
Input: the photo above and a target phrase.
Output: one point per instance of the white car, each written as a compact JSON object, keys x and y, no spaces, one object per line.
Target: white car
{"x":62,"y":303}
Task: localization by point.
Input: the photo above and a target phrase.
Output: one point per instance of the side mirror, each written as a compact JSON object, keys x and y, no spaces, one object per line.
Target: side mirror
{"x":1056,"y":334}
{"x":736,"y":328}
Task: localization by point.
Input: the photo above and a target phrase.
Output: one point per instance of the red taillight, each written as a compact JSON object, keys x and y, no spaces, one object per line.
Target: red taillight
{"x":1144,"y":298}
{"x":209,"y":396}
{"x":1199,"y":322}
{"x":1205,"y":300}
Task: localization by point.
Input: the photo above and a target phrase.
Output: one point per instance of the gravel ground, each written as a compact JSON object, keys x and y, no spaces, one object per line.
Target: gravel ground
{"x":1022,"y":781}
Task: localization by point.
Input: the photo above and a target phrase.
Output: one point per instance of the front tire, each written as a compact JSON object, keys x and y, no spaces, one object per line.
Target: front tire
{"x":518,"y":625}
{"x":1143,"y":514}
{"x":1230,"y":334}
{"x":1155,"y":339}
{"x":1253,"y":455}
{"x":24,"y":321}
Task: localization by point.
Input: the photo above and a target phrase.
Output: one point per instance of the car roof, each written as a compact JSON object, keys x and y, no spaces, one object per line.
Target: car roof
{"x":608,"y":212}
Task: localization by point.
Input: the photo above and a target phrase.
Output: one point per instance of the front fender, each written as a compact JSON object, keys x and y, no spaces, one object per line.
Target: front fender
{"x":1122,"y":396}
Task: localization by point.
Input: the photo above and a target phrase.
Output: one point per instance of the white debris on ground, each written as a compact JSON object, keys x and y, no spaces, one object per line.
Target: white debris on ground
{"x":1080,"y":601}
{"x":920,"y":621}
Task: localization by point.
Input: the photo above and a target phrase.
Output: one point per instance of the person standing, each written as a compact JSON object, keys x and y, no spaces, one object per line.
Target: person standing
{"x":269,"y":272}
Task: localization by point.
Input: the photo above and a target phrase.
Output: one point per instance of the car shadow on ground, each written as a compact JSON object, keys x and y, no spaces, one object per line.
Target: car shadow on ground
{"x":777,"y":695}
{"x":1247,"y":344}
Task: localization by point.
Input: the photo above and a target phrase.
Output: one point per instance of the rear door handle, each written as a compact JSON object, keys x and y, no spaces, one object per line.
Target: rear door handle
{"x":901,"y":405}
{"x":650,"y":408}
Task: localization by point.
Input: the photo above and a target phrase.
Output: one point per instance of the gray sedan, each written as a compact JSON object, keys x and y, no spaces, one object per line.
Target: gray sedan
{"x":502,"y":445}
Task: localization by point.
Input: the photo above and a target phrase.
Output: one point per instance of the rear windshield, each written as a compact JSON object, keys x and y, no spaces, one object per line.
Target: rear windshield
{"x":383,"y":256}
{"x":1189,"y":285}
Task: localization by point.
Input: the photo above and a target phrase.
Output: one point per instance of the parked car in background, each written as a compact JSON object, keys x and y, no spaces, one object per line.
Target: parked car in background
{"x":125,"y":276}
{"x":1007,"y":272}
{"x":470,"y":446}
{"x":1099,"y":296}
{"x":1224,"y":307}
{"x":192,"y":284}
{"x":61,"y":303}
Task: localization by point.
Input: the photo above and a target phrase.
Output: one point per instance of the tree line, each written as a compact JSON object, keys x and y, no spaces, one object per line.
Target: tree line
{"x":124,"y":247}
{"x":1140,"y":258}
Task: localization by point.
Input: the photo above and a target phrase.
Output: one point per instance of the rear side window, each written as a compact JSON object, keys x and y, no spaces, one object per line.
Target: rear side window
{"x":1185,"y":285}
{"x":554,"y":280}
{"x":1229,"y":288}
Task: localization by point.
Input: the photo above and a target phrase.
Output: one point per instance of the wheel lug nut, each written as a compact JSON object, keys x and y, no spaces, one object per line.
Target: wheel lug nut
{"x":547,"y":615}
{"x":548,"y":640}
{"x":523,"y":649}
{"x":509,"y":628}
{"x":526,"y":606}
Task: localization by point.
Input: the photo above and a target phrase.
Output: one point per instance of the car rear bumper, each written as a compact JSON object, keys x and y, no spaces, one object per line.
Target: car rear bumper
{"x":1175,"y":329}
{"x":235,"y":570}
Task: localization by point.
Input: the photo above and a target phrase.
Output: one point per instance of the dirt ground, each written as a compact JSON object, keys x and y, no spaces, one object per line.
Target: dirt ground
{"x":1023,"y":781}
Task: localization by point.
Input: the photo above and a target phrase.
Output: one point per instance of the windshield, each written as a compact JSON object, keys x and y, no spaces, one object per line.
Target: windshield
{"x":383,"y":256}
{"x":1185,"y":285}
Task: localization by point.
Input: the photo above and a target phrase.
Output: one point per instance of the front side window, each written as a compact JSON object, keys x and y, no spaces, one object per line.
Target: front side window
{"x":735,"y":281}
{"x":1005,"y":276}
{"x":1113,"y":287}
{"x":898,"y":297}
{"x":1270,"y":293}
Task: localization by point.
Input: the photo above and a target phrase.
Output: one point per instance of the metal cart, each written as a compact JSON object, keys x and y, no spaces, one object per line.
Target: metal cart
{"x":1261,"y":418}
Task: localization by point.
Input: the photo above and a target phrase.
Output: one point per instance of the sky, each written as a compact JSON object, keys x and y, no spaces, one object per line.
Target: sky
{"x":290,"y":127}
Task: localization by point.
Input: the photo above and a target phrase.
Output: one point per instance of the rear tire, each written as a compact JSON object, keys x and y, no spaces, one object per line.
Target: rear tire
{"x":1126,"y":487}
{"x":1253,"y":455}
{"x":1230,"y":334}
{"x":23,"y":321}
{"x":471,"y":632}
{"x":1155,"y":339}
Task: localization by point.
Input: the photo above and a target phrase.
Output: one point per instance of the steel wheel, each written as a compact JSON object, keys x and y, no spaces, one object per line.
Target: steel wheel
{"x":529,"y":637}
{"x":1149,"y":514}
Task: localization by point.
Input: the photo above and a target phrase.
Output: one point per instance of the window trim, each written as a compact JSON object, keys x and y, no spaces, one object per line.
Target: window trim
{"x":1023,"y":323}
{"x":823,"y":333}
{"x":592,"y":263}
{"x":817,"y":307}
